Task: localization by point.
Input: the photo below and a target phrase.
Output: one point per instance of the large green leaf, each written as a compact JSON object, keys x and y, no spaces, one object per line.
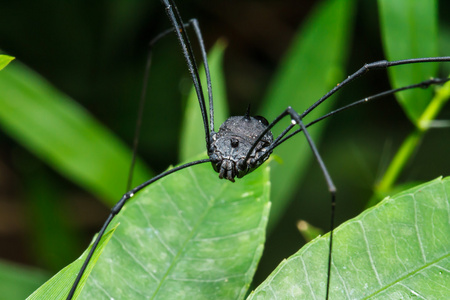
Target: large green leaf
{"x":188,"y":235}
{"x":399,"y":249}
{"x":409,"y":30}
{"x":192,"y":141}
{"x":312,"y":66}
{"x":63,"y":134}
{"x":58,"y":286}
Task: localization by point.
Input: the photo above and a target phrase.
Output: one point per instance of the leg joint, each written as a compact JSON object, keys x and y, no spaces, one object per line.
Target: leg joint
{"x":381,"y":64}
{"x":295,"y":117}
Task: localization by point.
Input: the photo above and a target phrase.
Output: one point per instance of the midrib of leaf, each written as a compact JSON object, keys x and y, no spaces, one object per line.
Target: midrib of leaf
{"x":399,"y":280}
{"x":193,"y":232}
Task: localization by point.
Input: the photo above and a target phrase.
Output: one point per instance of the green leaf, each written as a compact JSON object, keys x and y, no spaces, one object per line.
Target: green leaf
{"x":58,"y":286}
{"x":399,"y":249}
{"x":63,"y":134}
{"x":187,"y":236}
{"x":313,"y":65}
{"x":192,"y":141}
{"x":409,"y":30}
{"x":17,"y":282}
{"x":5,"y":60}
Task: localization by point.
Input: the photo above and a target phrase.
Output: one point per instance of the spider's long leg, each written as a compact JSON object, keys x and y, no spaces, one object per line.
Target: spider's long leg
{"x":116,"y":209}
{"x":180,"y":31}
{"x":423,"y":84}
{"x":382,"y":64}
{"x":297,"y":120}
{"x":331,"y":188}
{"x":137,"y":130}
{"x":201,"y":44}
{"x":194,"y":24}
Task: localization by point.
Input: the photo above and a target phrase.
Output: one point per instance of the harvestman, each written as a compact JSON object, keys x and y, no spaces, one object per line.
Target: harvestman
{"x":243,"y":143}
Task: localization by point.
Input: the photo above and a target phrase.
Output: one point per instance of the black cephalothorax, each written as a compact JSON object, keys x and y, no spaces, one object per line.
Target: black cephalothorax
{"x":231,"y":144}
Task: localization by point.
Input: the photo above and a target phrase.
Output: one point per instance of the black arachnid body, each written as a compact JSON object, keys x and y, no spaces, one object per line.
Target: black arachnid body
{"x":232,"y":153}
{"x":188,"y":230}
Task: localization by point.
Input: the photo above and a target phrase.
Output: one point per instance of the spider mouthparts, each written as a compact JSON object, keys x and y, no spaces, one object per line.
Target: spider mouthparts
{"x":231,"y":179}
{"x":227,"y":170}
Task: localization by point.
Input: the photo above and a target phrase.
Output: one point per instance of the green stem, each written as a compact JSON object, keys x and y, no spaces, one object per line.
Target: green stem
{"x":399,"y":161}
{"x":410,"y":144}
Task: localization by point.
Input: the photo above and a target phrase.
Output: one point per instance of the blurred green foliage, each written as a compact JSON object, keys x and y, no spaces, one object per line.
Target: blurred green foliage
{"x":95,"y":53}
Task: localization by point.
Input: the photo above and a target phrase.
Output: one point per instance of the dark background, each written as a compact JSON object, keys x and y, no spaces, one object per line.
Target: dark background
{"x":95,"y":51}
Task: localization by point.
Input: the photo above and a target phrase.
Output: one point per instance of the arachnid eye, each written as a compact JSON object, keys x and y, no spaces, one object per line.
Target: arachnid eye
{"x":265,"y":144}
{"x":234,"y":143}
{"x":262,"y":120}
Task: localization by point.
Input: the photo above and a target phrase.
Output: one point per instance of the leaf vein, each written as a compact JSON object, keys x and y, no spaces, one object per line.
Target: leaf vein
{"x":177,"y":209}
{"x":218,"y":238}
{"x":370,"y":253}
{"x":412,"y":291}
{"x":416,"y":225}
{"x":225,"y":279}
{"x":160,"y":239}
{"x":135,"y":259}
{"x":307,"y":277}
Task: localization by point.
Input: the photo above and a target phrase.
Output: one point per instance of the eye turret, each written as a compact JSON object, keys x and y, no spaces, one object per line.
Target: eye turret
{"x":234,"y":143}
{"x":262,"y":120}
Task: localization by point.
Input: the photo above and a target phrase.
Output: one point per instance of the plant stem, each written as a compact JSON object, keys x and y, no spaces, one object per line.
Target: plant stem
{"x":410,"y":144}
